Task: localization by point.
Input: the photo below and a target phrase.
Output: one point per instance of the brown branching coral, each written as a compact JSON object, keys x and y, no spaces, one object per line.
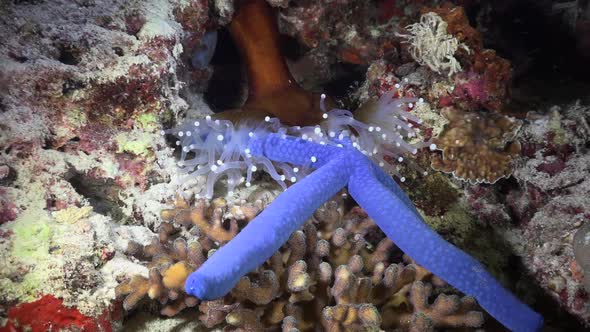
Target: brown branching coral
{"x":446,"y":311}
{"x":166,"y":278}
{"x":351,"y":317}
{"x":337,"y":271}
{"x":245,"y":320}
{"x":476,"y":146}
{"x":171,"y":263}
{"x":216,"y":221}
{"x":171,"y":258}
{"x":214,"y":312}
{"x":134,"y":290}
{"x":260,"y":292}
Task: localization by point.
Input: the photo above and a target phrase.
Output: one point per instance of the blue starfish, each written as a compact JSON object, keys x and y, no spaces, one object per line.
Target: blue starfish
{"x":335,"y":168}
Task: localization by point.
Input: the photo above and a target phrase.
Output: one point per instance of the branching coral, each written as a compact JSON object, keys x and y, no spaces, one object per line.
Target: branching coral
{"x":351,"y":317}
{"x":337,"y":166}
{"x":477,"y":146}
{"x":171,"y":258}
{"x":171,"y":263}
{"x":216,"y":221}
{"x":346,"y":279}
{"x":338,"y":152}
{"x":445,"y":312}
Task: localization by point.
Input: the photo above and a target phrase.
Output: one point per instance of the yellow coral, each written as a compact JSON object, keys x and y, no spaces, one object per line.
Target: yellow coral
{"x":175,"y":275}
{"x":72,"y":214}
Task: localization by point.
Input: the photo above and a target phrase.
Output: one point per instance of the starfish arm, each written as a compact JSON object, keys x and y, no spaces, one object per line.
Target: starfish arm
{"x":293,"y":150}
{"x":388,"y":182}
{"x":264,"y":235}
{"x":408,"y":231}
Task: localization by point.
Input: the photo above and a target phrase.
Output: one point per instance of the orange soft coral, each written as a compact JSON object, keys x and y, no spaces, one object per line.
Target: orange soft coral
{"x":272,"y":89}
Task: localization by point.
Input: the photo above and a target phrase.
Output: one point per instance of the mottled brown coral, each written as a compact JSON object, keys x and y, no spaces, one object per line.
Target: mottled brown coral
{"x":172,"y":260}
{"x":446,"y":311}
{"x":218,"y":221}
{"x":338,"y":271}
{"x":477,"y":146}
{"x":351,"y":317}
{"x":261,"y":291}
{"x":136,"y":289}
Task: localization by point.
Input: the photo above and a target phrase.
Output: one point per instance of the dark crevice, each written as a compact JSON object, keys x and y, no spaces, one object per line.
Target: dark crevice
{"x":9,"y":177}
{"x":71,"y":85}
{"x":18,"y":58}
{"x":118,"y":51}
{"x":102,"y":194}
{"x":225,"y":88}
{"x":69,"y":55}
{"x":291,"y":48}
{"x":71,"y":144}
{"x":3,"y":107}
{"x":346,"y":78}
{"x":548,"y":55}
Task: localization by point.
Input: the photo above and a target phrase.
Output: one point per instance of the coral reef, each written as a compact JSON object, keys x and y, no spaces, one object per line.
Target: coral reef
{"x":341,"y":164}
{"x":337,"y":269}
{"x":580,"y":247}
{"x":557,"y":171}
{"x":171,"y":261}
{"x":477,"y":147}
{"x":486,"y":79}
{"x":431,"y":45}
{"x":540,"y":212}
{"x":83,"y":101}
{"x":78,"y":262}
{"x":85,"y":87}
{"x":86,"y":178}
{"x":352,"y":31}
